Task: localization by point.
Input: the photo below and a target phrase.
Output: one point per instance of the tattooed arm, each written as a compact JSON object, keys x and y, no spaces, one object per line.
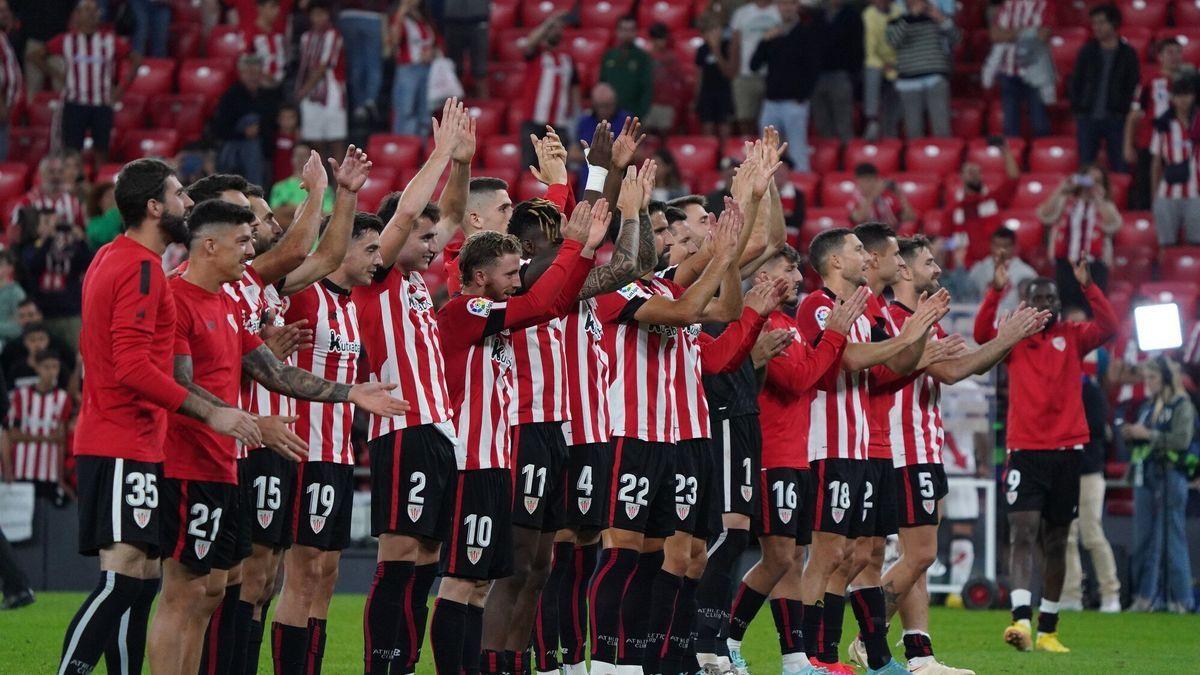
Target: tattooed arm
{"x":262,"y":366}
{"x":220,"y":416}
{"x":647,"y":258}
{"x":201,"y":401}
{"x":623,"y":267}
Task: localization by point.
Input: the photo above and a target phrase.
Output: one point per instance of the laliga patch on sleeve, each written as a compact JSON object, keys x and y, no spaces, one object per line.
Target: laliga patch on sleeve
{"x":631,"y":291}
{"x":479,"y":306}
{"x":822,"y":314}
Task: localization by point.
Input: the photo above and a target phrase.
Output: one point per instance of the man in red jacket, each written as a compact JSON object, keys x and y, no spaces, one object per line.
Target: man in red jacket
{"x":1046,"y":432}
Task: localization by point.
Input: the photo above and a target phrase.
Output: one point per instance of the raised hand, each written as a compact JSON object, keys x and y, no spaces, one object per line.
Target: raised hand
{"x":766,"y":297}
{"x":1020,"y":324}
{"x":770,"y":344}
{"x":843,"y":316}
{"x":945,"y":349}
{"x":444,"y":130}
{"x":283,"y":341}
{"x":375,"y":399}
{"x":626,"y":144}
{"x":462,"y":141}
{"x":646,"y":177}
{"x":277,"y":436}
{"x":579,"y":225}
{"x":352,"y":172}
{"x":599,"y":153}
{"x":1082,"y":274}
{"x":552,"y":158}
{"x":313,"y":178}
{"x":763,"y":171}
{"x":598,"y":227}
{"x":629,"y":199}
{"x":728,"y":229}
{"x":1000,"y":276}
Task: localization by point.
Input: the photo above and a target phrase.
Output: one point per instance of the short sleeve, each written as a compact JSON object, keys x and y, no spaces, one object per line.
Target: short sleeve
{"x":55,"y":45}
{"x":811,"y":316}
{"x":621,"y":306}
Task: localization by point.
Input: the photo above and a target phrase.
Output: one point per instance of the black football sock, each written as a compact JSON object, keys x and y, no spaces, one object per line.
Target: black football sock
{"x":491,"y":661}
{"x":447,"y":630}
{"x":869,"y":610}
{"x":917,"y":645}
{"x":635,"y":620}
{"x":831,"y":628}
{"x":683,"y":624}
{"x":316,"y":645}
{"x":386,"y":616}
{"x":253,"y":648}
{"x":216,"y":656}
{"x":472,"y":639}
{"x":746,"y":604}
{"x":789,"y":625}
{"x":572,"y":605}
{"x":613,"y":573}
{"x":97,"y":621}
{"x":545,"y":623}
{"x":242,"y":617}
{"x":126,"y":651}
{"x":715,"y":591}
{"x":289,"y":649}
{"x":664,"y":597}
{"x":1047,"y":622}
{"x":814,"y":619}
{"x":423,"y":578}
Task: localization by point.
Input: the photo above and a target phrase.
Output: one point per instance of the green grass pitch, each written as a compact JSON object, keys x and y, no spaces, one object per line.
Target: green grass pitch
{"x":30,"y":640}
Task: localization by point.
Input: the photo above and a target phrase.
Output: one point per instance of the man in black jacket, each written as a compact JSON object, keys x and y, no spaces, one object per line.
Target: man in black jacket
{"x":1102,"y":83}
{"x":791,"y":53}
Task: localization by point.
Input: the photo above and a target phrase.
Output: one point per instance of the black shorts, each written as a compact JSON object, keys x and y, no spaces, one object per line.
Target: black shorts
{"x":200,"y":524}
{"x":784,"y":504}
{"x":322,"y":504}
{"x":920,"y":487}
{"x":118,"y":503}
{"x":695,"y":491}
{"x":267,"y":482}
{"x":1046,"y":481}
{"x":879,"y":514}
{"x":481,"y":545}
{"x":539,"y":475}
{"x":589,"y":475}
{"x":78,"y":119}
{"x":836,"y":492}
{"x":737,"y":456}
{"x":412,"y":482}
{"x":641,"y":496}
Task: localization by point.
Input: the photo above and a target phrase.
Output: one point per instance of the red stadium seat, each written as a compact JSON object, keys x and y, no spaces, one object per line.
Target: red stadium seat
{"x":394,"y":152}
{"x":503,"y":151}
{"x":817,"y":221}
{"x":187,"y":11}
{"x":825,"y":155}
{"x":107,"y":173}
{"x":807,"y":184}
{"x":154,"y":76}
{"x":694,"y":153}
{"x":989,"y":157}
{"x":510,"y":45}
{"x":604,"y":14}
{"x":704,"y":182}
{"x":1118,"y":188}
{"x":181,"y":112}
{"x":380,"y":183}
{"x":885,"y":154}
{"x":687,"y":43}
{"x":28,"y":144}
{"x":735,"y":148}
{"x":503,"y":16}
{"x":12,"y":180}
{"x":44,"y":108}
{"x":225,"y":42}
{"x":533,"y":12}
{"x":1143,"y":13}
{"x":1182,"y":293}
{"x":1187,"y":13}
{"x":923,"y":190}
{"x":527,"y":187}
{"x":184,"y":40}
{"x":936,"y":223}
{"x":1180,"y":263}
{"x":1031,"y":237}
{"x":837,"y":189}
{"x":1034,"y":188}
{"x":140,"y":143}
{"x":1189,"y":37}
{"x":130,"y":112}
{"x":207,"y":77}
{"x":929,"y":155}
{"x":952,"y":183}
{"x":488,"y":115}
{"x":1133,"y":266}
{"x":506,"y":174}
{"x":1053,"y":154}
{"x":506,"y":80}
{"x":1064,"y":46}
{"x":1139,"y":38}
{"x":675,"y":14}
{"x":1137,"y":231}
{"x":966,"y":117}
{"x":586,"y":45}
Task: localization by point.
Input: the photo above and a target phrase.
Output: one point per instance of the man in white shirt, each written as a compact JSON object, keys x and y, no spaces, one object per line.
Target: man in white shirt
{"x":749,"y":23}
{"x":1004,"y":252}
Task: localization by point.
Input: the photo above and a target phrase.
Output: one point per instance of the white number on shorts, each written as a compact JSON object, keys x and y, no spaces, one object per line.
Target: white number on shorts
{"x":1013,"y":479}
{"x":269,"y":494}
{"x":629,"y":483}
{"x":529,"y":473}
{"x":320,"y":496}
{"x":143,"y":490}
{"x":685,"y":489}
{"x":839,"y":494}
{"x":418,"y":486}
{"x":867,"y":494}
{"x":746,"y":464}
{"x":584,"y":484}
{"x":785,"y":495}
{"x":925,"y":480}
{"x":202,"y":517}
{"x":479,"y":530}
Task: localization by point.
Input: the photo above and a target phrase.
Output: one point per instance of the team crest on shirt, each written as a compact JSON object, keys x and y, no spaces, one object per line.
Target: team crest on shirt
{"x":682,"y":510}
{"x":201,"y":547}
{"x":631,"y":510}
{"x":631,"y":291}
{"x":837,"y":514}
{"x":414,"y":512}
{"x":821,"y":315}
{"x":317,"y":523}
{"x":141,"y":517}
{"x":1011,"y":497}
{"x":785,"y":515}
{"x":531,"y":504}
{"x":747,"y":492}
{"x":479,"y":306}
{"x":265,"y":516}
{"x":928,"y":504}
{"x":585,"y":504}
{"x":473,"y":554}
{"x":1059,"y":343}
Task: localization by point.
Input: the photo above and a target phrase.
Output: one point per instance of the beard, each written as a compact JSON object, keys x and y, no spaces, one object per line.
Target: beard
{"x":176,"y":228}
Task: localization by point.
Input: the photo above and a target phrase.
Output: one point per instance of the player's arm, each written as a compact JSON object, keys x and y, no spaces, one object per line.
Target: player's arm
{"x":776,"y":231}
{"x":902,"y":353}
{"x":557,"y":289}
{"x":1023,"y":323}
{"x":624,"y":149}
{"x":292,"y":249}
{"x":727,"y":305}
{"x":350,"y":175}
{"x":262,"y":366}
{"x":985,"y":318}
{"x":726,"y":352}
{"x":624,"y":265}
{"x":1104,"y":321}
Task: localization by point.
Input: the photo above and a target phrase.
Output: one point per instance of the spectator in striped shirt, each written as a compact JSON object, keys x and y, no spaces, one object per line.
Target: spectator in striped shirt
{"x":1173,"y":168}
{"x":413,"y":38}
{"x":92,"y":57}
{"x":923,"y":64}
{"x":1083,"y":219}
{"x":36,"y":427}
{"x":49,"y":194}
{"x":321,"y":83}
{"x":1019,"y":21}
{"x":12,"y":84}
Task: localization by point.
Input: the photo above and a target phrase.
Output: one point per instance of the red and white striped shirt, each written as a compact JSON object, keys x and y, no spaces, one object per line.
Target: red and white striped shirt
{"x":1172,"y":144}
{"x":1078,"y":231}
{"x":548,"y":80}
{"x":643,"y":362}
{"x":1018,"y":15}
{"x":400,"y":335}
{"x":91,"y":62}
{"x":271,"y":47}
{"x":540,"y":376}
{"x":258,"y":302}
{"x":587,"y":376}
{"x":331,"y":313}
{"x":1191,"y":348}
{"x":12,"y":83}
{"x":65,"y":205}
{"x":691,"y":405}
{"x":416,"y":37}
{"x":1153,"y":97}
{"x":917,"y":436}
{"x":42,"y":413}
{"x":838,"y":424}
{"x":882,"y":387}
{"x":323,"y":50}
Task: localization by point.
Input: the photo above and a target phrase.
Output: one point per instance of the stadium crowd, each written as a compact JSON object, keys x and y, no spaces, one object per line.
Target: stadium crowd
{"x":1030,"y":151}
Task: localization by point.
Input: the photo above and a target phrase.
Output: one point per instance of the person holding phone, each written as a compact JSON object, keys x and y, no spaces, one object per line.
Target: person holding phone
{"x":877,"y":199}
{"x":1173,"y":168}
{"x":1082,"y":219}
